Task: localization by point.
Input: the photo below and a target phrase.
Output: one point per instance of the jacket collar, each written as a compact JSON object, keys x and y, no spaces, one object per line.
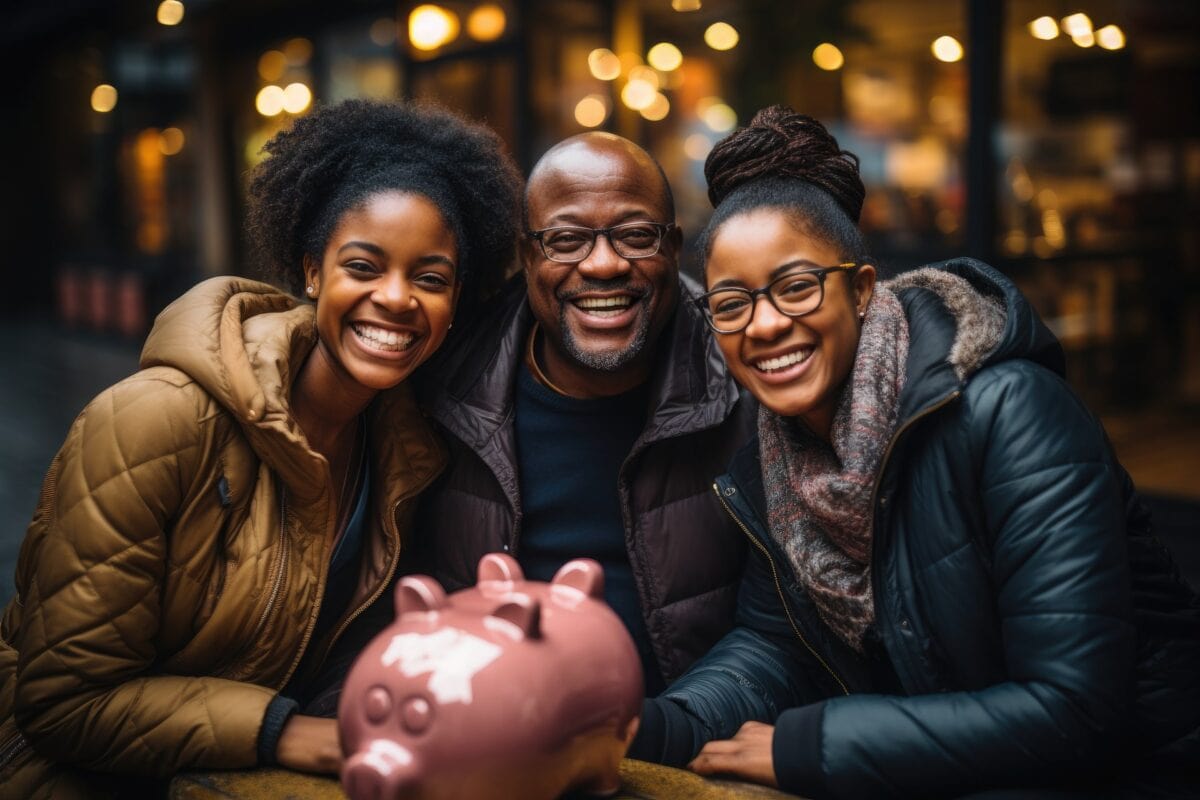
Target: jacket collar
{"x":470,"y":389}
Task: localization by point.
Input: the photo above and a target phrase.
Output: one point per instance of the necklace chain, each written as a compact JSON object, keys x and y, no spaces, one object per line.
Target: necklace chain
{"x":531,"y":360}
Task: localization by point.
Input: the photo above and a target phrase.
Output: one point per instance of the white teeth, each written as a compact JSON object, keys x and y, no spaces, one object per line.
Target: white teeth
{"x":604,"y":302}
{"x":381,"y":339}
{"x":780,"y":362}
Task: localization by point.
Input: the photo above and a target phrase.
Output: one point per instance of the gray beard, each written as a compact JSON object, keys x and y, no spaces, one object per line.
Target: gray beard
{"x":608,"y":360}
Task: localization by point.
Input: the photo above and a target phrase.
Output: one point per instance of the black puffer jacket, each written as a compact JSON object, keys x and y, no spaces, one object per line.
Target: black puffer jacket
{"x":685,"y":552}
{"x":1035,"y":627}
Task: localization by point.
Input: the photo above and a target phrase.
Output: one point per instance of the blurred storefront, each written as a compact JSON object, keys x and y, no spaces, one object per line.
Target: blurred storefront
{"x":1058,"y":140}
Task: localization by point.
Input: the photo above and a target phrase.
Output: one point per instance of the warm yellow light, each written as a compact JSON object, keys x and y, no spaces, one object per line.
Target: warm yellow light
{"x":430,"y":27}
{"x":721,"y":36}
{"x":271,"y":65}
{"x":1084,"y":39}
{"x":664,"y":56}
{"x":604,"y":64}
{"x":171,"y":142}
{"x":170,"y":12}
{"x":104,"y":98}
{"x":383,"y":31}
{"x":297,"y":51}
{"x":486,"y":23}
{"x":1077,"y":24}
{"x":828,"y":57}
{"x":638,"y":94}
{"x":719,"y":118}
{"x":296,"y":98}
{"x":645,"y":75}
{"x":947,"y":48}
{"x":658,"y":108}
{"x":685,"y":5}
{"x":1110,"y":37}
{"x":591,"y":111}
{"x":269,"y":100}
{"x":1044,"y":28}
{"x":697,"y":146}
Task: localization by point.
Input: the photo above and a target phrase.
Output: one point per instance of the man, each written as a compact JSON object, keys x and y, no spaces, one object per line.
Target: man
{"x":589,"y":412}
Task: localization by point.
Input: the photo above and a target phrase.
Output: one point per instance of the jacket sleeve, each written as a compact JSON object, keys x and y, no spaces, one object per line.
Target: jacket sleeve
{"x":755,"y":671}
{"x":91,"y":572}
{"x":1053,"y":515}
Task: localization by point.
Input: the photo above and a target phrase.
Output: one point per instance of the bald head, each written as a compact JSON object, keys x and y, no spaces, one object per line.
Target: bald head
{"x":593,"y":153}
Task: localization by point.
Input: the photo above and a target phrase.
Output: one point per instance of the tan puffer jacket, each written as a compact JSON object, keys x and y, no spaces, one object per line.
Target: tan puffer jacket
{"x":171,"y":578}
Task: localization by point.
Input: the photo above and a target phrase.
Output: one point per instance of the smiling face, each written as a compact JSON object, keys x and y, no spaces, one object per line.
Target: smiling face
{"x":600,"y":316}
{"x":386,"y":289}
{"x":795,"y":366}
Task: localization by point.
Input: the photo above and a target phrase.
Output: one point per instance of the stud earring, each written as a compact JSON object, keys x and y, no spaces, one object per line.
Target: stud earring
{"x":311,"y":291}
{"x":862,"y":315}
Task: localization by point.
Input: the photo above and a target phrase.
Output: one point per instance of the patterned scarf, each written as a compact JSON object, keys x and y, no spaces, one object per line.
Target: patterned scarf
{"x":818,"y":496}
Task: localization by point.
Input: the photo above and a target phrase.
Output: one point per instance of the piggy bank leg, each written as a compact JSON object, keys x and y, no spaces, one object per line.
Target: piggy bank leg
{"x":606,"y":780}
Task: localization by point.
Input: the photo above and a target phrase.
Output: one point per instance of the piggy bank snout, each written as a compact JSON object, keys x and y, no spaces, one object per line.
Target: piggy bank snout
{"x":378,"y":773}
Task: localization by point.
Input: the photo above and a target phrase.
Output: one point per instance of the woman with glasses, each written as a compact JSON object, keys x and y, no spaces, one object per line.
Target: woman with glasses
{"x":954,"y":587}
{"x":214,"y":523}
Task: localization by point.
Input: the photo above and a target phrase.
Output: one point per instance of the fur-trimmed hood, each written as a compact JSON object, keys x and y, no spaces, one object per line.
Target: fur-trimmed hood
{"x":964,"y":315}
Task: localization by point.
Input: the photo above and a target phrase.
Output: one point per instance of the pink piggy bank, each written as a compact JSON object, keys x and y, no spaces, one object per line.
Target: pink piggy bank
{"x":513,"y":688}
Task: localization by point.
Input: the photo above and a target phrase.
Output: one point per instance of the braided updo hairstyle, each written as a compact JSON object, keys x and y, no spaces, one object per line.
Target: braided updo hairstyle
{"x":336,"y":158}
{"x":787,"y":161}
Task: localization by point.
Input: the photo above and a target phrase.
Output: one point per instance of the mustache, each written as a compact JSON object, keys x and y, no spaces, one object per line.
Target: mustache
{"x":621,"y":284}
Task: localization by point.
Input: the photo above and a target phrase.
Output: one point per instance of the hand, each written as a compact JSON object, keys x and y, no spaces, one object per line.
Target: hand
{"x":309,"y":744}
{"x":747,"y":755}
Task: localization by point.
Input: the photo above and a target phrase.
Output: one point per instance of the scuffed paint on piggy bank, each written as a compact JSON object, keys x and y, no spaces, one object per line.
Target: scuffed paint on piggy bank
{"x":510,"y":689}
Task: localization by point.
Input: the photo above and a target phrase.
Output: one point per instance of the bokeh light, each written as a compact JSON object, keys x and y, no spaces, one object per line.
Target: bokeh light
{"x":638,"y":94}
{"x":271,"y":65}
{"x":719,"y":118}
{"x":947,"y":48}
{"x":658,"y":108}
{"x":269,"y":101}
{"x":104,"y":98}
{"x":685,"y":5}
{"x":296,"y":98}
{"x":171,"y":142}
{"x":430,"y":27}
{"x":604,"y":64}
{"x":1044,"y":28}
{"x":828,"y":57}
{"x":591,"y":111}
{"x":1110,"y":37}
{"x":697,"y":146}
{"x":170,"y":12}
{"x":383,"y":32}
{"x":1077,"y":24}
{"x":486,"y":23}
{"x":664,"y":56}
{"x":721,"y":36}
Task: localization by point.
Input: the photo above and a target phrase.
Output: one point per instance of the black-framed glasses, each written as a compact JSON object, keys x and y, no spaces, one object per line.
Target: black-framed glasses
{"x":794,"y":294}
{"x":569,"y":244}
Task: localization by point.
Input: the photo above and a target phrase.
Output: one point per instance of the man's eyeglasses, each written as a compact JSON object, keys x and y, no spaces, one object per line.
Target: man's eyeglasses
{"x":794,"y":294}
{"x":570,"y":244}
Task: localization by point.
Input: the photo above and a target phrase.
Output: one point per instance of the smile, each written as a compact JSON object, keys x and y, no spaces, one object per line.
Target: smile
{"x":604,"y":306}
{"x":784,"y":361}
{"x":380,"y":339}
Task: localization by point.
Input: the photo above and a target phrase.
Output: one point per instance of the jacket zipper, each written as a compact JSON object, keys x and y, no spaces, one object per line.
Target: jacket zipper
{"x":779,"y":588}
{"x":383,"y":584}
{"x":887,"y":454}
{"x":9,"y":750}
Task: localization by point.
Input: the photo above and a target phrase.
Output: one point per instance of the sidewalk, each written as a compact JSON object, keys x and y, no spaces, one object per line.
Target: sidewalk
{"x":50,"y":374}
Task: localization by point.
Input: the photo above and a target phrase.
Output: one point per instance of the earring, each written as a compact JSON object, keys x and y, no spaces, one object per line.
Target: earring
{"x":311,"y":291}
{"x":862,"y":315}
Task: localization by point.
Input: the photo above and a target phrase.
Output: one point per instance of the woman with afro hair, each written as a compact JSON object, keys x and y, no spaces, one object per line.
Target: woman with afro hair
{"x":213,"y":523}
{"x":953,"y":587}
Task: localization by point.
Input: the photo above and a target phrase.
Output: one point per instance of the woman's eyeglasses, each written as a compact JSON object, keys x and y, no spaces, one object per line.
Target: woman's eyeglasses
{"x":794,"y":294}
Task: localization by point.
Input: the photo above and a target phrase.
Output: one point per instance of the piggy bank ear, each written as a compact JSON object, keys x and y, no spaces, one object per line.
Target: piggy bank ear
{"x":583,"y":574}
{"x":419,"y":593}
{"x":524,"y":612}
{"x":499,"y":567}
